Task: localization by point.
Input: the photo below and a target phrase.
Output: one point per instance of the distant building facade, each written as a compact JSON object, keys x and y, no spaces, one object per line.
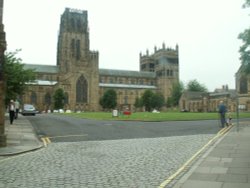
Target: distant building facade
{"x":208,"y":101}
{"x":243,"y":88}
{"x":77,"y":72}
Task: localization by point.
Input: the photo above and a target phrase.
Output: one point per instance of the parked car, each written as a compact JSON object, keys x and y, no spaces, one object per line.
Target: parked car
{"x":28,"y":109}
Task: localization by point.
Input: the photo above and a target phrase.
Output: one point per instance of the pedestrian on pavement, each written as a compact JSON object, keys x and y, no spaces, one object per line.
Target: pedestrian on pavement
{"x":11,"y":111}
{"x":17,"y":105}
{"x":229,"y":118}
{"x":222,"y":113}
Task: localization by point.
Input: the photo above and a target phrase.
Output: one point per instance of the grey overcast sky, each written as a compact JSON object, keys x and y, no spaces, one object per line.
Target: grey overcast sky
{"x":205,"y":30}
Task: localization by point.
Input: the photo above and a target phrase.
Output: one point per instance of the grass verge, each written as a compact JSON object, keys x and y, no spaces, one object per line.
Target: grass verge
{"x":148,"y":116}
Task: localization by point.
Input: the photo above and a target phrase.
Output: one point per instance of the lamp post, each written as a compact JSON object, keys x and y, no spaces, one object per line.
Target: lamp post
{"x":2,"y":105}
{"x":237,"y":102}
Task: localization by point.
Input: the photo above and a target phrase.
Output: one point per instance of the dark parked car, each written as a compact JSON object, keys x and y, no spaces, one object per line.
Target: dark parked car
{"x":28,"y":109}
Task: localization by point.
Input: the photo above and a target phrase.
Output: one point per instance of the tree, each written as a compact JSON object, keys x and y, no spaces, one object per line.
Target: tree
{"x":158,"y":101}
{"x":176,"y":93}
{"x":109,"y":99}
{"x":59,"y":98}
{"x":138,"y":102}
{"x":16,"y":77}
{"x":194,"y":85}
{"x":245,"y":48}
{"x":147,"y":99}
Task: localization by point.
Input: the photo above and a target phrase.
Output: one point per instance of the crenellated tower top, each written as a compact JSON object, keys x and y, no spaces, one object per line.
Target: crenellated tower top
{"x":149,"y":62}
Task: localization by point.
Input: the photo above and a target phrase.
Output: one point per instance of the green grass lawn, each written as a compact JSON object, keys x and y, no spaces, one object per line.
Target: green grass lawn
{"x":148,"y":116}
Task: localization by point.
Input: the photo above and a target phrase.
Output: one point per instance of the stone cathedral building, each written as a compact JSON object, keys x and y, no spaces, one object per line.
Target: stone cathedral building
{"x":77,"y":72}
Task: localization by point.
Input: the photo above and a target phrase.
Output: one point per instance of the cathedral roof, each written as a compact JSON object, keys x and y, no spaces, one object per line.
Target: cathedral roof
{"x":133,"y":86}
{"x":126,"y":73}
{"x":42,"y":68}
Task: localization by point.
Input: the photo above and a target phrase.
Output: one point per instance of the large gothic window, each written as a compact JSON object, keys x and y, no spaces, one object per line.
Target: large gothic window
{"x":243,"y":85}
{"x":81,"y":90}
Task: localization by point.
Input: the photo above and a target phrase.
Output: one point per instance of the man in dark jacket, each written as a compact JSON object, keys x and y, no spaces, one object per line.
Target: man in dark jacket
{"x":222,"y":113}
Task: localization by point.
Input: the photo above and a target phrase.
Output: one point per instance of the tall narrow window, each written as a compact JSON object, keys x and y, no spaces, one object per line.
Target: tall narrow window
{"x":78,"y":50}
{"x":168,"y":73}
{"x":47,"y":99}
{"x":81,"y":90}
{"x":78,"y":25}
{"x":72,"y":21}
{"x":171,"y":73}
{"x":33,"y":98}
{"x":72,"y":47}
{"x":66,"y":98}
{"x":126,"y":100}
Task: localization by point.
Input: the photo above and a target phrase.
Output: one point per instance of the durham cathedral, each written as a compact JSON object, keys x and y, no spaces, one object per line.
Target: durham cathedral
{"x":77,"y":72}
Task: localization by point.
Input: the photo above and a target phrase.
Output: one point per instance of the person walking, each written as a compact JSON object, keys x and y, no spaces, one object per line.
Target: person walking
{"x":229,"y":118}
{"x":17,"y":105}
{"x":222,"y":113}
{"x":12,"y":111}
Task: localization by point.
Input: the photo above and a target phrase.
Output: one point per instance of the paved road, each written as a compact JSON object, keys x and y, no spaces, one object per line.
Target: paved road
{"x":127,"y":163}
{"x":60,"y":128}
{"x":153,"y":152}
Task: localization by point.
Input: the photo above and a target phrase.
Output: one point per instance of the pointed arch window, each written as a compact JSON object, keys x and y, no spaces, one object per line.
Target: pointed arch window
{"x":81,"y":90}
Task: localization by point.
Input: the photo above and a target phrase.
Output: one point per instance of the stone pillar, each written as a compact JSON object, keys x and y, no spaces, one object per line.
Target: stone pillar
{"x":2,"y":105}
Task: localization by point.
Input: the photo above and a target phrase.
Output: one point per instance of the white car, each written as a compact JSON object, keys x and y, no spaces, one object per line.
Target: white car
{"x":28,"y":109}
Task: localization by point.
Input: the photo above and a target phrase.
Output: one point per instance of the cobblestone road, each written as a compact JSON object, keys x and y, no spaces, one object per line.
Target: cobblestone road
{"x":125,"y":163}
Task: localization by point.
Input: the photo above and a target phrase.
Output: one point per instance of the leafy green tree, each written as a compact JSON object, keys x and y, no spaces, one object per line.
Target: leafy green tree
{"x":170,"y":102}
{"x":246,"y":4}
{"x":147,"y":99}
{"x":176,"y":93}
{"x":15,"y":76}
{"x":109,"y":99}
{"x":194,"y":85}
{"x":59,"y":98}
{"x":245,"y":48}
{"x":158,"y":101}
{"x":138,"y":102}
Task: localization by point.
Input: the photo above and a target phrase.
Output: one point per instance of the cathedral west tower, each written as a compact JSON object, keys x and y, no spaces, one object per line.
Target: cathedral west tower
{"x":78,"y":66}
